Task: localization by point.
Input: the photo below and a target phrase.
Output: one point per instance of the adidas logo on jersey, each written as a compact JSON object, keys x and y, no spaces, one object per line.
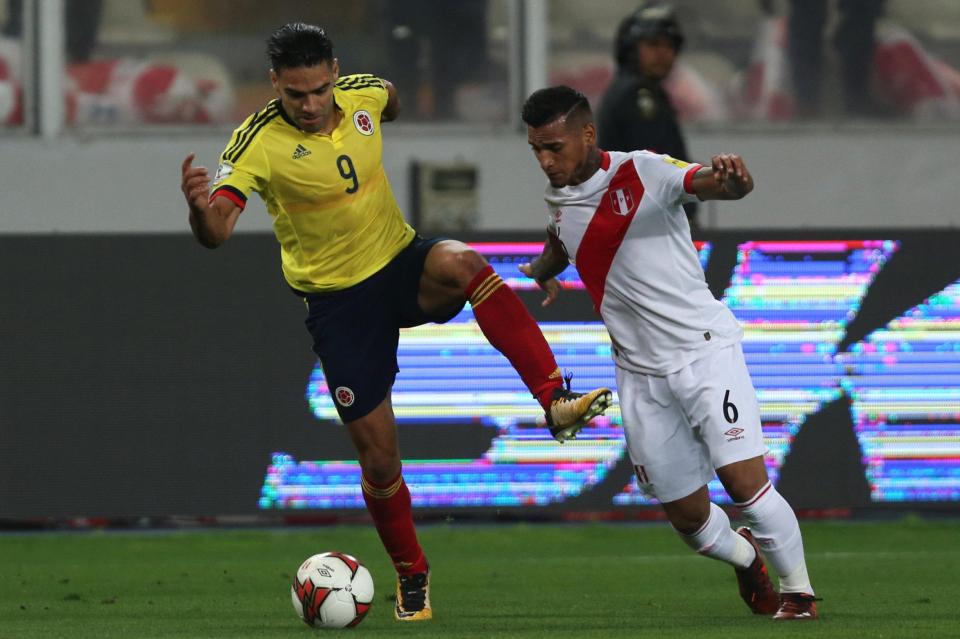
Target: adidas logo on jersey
{"x":301,"y":152}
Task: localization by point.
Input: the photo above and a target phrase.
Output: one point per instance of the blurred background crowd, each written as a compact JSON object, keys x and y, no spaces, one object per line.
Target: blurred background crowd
{"x":201,"y":62}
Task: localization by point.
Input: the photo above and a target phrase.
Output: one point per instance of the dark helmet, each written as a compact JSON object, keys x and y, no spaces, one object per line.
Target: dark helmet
{"x":650,"y":21}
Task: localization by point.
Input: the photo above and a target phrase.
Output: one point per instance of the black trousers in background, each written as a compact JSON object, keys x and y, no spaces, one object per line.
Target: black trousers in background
{"x":82,"y":22}
{"x":854,"y":40}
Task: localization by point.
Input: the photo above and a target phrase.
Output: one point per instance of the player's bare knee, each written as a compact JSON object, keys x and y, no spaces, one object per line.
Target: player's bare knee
{"x":689,"y":524}
{"x":742,"y":480}
{"x":379,"y":465}
{"x":743,"y":491}
{"x":380,"y":470}
{"x":689,"y":515}
{"x":472,"y":261}
{"x":463,"y":265}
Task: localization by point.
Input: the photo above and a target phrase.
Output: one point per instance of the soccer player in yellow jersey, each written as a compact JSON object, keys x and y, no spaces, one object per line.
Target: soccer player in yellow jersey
{"x":314,"y":156}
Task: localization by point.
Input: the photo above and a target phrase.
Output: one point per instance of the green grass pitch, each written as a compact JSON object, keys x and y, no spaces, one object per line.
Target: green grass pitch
{"x":890,"y":579}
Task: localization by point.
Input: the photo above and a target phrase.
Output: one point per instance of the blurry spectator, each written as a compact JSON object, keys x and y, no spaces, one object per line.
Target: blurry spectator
{"x":636,"y":112}
{"x":82,"y":21}
{"x":854,"y":40}
{"x":430,"y":58}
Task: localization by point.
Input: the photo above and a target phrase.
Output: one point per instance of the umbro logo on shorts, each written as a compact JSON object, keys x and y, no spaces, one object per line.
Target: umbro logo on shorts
{"x":733,"y":434}
{"x":301,"y":152}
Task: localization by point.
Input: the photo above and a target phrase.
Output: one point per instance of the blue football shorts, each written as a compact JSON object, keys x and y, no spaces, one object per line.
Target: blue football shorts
{"x":356,"y":330}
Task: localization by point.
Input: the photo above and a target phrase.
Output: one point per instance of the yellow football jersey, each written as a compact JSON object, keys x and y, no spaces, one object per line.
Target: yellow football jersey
{"x":333,"y":210}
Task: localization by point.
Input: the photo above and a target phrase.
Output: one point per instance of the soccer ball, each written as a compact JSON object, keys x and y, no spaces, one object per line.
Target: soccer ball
{"x":332,"y":590}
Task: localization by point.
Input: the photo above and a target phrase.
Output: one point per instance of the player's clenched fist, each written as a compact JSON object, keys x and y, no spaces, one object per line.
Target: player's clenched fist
{"x":731,"y":174}
{"x":195,"y":184}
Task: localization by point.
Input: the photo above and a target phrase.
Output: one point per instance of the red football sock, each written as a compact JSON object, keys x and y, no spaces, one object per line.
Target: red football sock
{"x":510,"y":328}
{"x":389,"y":505}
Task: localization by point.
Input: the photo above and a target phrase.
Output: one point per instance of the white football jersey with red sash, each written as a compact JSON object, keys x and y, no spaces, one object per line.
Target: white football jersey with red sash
{"x":626,"y":232}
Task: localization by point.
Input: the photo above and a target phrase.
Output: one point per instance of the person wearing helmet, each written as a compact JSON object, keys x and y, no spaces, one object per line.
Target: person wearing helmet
{"x":636,"y":112}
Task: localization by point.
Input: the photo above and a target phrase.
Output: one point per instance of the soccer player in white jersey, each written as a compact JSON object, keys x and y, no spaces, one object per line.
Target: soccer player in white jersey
{"x":689,"y":407}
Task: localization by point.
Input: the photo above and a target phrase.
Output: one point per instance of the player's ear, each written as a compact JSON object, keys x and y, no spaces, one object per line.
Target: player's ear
{"x":589,"y":133}
{"x":273,"y":79}
{"x":336,"y":69}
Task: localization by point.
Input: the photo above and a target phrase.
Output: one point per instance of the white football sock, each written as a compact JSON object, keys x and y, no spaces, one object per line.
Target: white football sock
{"x":717,"y":540}
{"x":775,"y":527}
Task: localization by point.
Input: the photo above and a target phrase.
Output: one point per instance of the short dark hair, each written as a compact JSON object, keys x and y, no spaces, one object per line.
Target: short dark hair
{"x":299,"y":45}
{"x":546,"y":105}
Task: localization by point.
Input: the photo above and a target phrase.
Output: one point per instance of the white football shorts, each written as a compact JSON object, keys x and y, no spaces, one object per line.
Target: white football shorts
{"x":681,"y":427}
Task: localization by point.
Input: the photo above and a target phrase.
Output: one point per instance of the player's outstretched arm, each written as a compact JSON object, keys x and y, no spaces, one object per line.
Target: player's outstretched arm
{"x":552,"y":261}
{"x":727,"y":178}
{"x":392,"y":110}
{"x":211,"y":222}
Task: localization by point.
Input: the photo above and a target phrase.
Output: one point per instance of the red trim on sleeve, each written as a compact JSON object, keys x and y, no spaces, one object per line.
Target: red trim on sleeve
{"x":688,"y":177}
{"x":604,"y":160}
{"x":231,"y":194}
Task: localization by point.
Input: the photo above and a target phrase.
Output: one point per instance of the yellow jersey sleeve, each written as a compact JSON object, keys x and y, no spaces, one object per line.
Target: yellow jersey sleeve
{"x":366,"y":91}
{"x":243,"y":164}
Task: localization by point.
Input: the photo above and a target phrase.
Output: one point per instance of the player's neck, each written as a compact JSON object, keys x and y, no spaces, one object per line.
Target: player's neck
{"x":590,"y":166}
{"x":333,"y":122}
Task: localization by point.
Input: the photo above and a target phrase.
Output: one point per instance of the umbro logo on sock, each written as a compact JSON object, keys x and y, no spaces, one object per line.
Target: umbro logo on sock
{"x":301,"y":152}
